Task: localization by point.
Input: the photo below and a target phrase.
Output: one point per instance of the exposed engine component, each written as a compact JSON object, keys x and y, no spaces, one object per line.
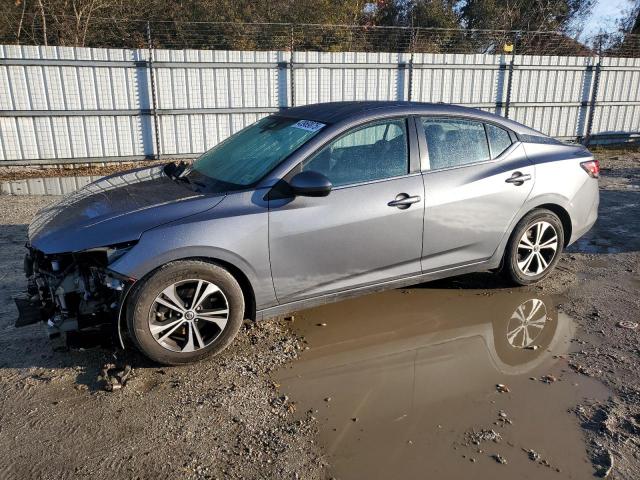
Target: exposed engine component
{"x":72,"y":292}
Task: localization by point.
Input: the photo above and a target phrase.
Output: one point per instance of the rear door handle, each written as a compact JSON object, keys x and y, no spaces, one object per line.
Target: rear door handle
{"x":404,"y":201}
{"x":518,"y":178}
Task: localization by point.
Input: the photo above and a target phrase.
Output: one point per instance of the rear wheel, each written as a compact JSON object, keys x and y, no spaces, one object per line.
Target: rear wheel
{"x":534,"y":247}
{"x":185,"y":311}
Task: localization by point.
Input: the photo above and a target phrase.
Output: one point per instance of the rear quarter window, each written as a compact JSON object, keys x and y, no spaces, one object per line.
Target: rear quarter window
{"x":499,"y":140}
{"x":538,"y":139}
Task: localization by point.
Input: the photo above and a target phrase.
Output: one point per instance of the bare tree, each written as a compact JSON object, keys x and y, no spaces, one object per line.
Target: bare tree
{"x":24,"y":9}
{"x":44,"y":22}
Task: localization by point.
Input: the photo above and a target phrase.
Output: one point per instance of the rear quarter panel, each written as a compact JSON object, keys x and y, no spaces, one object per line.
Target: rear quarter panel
{"x":559,"y":179}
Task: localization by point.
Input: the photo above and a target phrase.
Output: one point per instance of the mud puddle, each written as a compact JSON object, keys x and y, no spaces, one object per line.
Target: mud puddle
{"x":404,"y":385}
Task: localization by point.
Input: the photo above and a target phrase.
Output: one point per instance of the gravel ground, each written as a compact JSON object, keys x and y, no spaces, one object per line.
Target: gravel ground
{"x":222,"y":418}
{"x":604,"y":290}
{"x":226,"y":418}
{"x":599,"y":278}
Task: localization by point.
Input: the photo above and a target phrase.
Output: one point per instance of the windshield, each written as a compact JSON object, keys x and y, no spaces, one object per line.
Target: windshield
{"x":244,"y":158}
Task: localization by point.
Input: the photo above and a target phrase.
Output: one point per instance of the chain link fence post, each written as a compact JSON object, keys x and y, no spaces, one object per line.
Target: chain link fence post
{"x":412,"y":44}
{"x":507,"y":102}
{"x":292,"y":78}
{"x":154,"y":100}
{"x":594,"y":94}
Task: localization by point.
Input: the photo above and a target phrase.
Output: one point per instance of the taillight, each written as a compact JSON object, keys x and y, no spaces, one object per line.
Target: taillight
{"x":592,"y":167}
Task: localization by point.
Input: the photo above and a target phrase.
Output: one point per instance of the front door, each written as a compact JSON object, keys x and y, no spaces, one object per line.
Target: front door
{"x":476,"y":181}
{"x":366,"y":231}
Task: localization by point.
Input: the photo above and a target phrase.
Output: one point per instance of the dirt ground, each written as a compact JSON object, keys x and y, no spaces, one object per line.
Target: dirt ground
{"x":402,"y":384}
{"x":72,"y":169}
{"x":222,"y":418}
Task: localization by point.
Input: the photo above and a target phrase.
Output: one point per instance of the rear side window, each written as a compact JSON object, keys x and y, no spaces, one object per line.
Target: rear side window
{"x":373,"y":152}
{"x":453,"y":142}
{"x":499,"y":140}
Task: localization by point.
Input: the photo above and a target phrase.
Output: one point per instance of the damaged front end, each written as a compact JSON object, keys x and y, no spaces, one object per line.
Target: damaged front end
{"x":75,"y":294}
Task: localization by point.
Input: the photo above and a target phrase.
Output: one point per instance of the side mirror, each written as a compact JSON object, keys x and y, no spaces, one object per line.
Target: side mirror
{"x":310,"y":184}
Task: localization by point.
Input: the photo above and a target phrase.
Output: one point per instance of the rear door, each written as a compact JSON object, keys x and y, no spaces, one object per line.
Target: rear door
{"x":476,"y":179}
{"x":367,"y":230}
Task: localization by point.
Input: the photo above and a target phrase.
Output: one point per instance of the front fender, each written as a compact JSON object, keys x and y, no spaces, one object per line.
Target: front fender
{"x":141,"y":262}
{"x":235,"y":232}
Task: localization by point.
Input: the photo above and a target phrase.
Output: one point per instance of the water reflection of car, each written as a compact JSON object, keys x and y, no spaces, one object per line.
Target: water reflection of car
{"x":402,"y":364}
{"x":510,"y":333}
{"x":305,"y":207}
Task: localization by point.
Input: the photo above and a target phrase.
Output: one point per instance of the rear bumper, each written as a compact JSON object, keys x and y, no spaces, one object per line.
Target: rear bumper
{"x":576,"y":234}
{"x":585,"y":209}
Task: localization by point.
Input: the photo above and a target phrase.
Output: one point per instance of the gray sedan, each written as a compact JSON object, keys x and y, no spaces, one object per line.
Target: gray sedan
{"x":304,"y":207}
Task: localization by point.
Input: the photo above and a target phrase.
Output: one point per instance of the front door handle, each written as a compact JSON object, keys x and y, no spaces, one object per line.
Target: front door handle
{"x":518,"y":178}
{"x":404,"y":201}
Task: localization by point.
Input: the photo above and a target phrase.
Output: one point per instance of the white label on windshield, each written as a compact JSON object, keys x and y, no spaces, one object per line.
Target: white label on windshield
{"x":308,"y":125}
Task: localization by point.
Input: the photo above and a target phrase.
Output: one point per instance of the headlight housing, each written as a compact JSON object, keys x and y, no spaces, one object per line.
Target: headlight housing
{"x":105,"y":256}
{"x":114,"y":252}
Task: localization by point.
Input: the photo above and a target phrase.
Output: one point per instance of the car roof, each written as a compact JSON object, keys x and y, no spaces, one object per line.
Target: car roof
{"x":335,"y":112}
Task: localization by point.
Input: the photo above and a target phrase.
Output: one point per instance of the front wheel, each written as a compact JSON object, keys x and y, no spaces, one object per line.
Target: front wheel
{"x":185,"y":311}
{"x":534,"y":247}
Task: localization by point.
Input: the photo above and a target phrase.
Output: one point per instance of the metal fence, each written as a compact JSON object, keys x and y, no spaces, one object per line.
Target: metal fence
{"x":69,"y":104}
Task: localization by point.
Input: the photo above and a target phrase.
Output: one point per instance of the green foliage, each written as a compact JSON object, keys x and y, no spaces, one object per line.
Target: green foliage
{"x":435,"y":14}
{"x":233,"y":24}
{"x":529,"y":15}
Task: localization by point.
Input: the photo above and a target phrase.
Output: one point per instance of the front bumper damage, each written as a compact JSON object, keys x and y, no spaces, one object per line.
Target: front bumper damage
{"x":74,"y":294}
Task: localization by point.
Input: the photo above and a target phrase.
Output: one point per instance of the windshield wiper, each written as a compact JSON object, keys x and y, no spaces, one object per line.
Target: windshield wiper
{"x":178,"y":174}
{"x":174,"y":171}
{"x":192,"y":182}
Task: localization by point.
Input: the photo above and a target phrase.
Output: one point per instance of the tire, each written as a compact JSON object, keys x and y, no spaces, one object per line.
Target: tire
{"x":516,"y":256}
{"x":173,"y":334}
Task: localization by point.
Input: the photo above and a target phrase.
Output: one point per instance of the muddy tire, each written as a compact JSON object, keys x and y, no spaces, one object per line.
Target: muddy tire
{"x":185,"y":311}
{"x":534,"y":247}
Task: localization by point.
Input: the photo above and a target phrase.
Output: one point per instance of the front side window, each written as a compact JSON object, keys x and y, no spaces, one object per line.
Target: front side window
{"x":372,"y":152}
{"x":454,"y":143}
{"x":244,"y":158}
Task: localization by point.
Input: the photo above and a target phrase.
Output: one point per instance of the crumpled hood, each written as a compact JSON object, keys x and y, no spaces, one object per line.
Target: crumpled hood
{"x":115,"y":209}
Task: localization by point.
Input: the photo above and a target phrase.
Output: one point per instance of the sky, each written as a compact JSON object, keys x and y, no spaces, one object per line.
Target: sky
{"x":604,"y":16}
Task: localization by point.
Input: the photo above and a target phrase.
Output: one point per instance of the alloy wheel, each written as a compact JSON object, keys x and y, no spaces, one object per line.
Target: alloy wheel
{"x":188,"y":315}
{"x":537,"y":248}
